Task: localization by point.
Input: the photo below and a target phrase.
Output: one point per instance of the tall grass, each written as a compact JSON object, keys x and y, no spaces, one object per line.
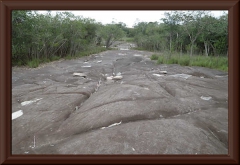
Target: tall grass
{"x":33,"y":63}
{"x":219,"y":63}
{"x":154,"y":57}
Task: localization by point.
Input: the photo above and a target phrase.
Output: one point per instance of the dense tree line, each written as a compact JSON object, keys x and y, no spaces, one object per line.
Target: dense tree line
{"x":191,"y":32}
{"x":47,"y":36}
{"x":38,"y":36}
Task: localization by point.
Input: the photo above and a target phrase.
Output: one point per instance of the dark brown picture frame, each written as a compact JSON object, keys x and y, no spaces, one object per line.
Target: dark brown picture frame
{"x":5,"y":80}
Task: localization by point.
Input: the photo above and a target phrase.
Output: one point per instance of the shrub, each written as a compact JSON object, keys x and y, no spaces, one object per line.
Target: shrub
{"x":68,"y":57}
{"x":154,"y":57}
{"x":34,"y":63}
{"x":54,"y":58}
{"x":161,"y":60}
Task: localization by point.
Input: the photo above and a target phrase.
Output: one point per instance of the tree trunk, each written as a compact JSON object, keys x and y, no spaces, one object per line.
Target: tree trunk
{"x":108,"y":42}
{"x":181,"y":49}
{"x":214,"y":50}
{"x":191,"y":51}
{"x":170,"y":44}
{"x":206,"y":48}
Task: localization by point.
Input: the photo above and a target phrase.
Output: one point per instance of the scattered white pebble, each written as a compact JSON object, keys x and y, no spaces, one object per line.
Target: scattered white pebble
{"x":122,"y":54}
{"x":87,"y":66}
{"x":26,"y":152}
{"x":158,"y":75}
{"x":80,"y":74}
{"x":112,"y":125}
{"x":117,"y":77}
{"x":30,"y":102}
{"x":17,"y":114}
{"x":201,"y":77}
{"x":133,"y":149}
{"x":99,"y":61}
{"x":206,"y":98}
{"x":137,"y":55}
{"x":119,"y":74}
{"x":163,"y":72}
{"x":110,"y":78}
{"x":185,"y":76}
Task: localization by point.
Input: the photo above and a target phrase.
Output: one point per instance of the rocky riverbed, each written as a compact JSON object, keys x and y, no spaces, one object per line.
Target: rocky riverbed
{"x":119,"y":102}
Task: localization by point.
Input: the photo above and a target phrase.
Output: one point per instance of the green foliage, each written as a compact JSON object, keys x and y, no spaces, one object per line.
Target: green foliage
{"x":192,"y":32}
{"x":154,"y":57}
{"x":220,"y":63}
{"x":54,"y":58}
{"x":127,"y":39}
{"x":161,"y":60}
{"x":184,"y":61}
{"x":110,"y":33}
{"x":33,"y":63}
{"x":173,"y":60}
{"x":68,"y":57}
{"x":38,"y":38}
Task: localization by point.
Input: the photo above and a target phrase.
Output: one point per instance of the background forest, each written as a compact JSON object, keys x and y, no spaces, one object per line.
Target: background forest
{"x":180,"y":35}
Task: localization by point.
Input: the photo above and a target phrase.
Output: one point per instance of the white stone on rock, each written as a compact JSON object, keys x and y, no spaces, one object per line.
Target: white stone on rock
{"x":30,"y":102}
{"x":112,"y":125}
{"x":80,"y":74}
{"x":110,"y":78}
{"x":122,"y":54}
{"x":17,"y":114}
{"x":88,"y":66}
{"x":119,"y":74}
{"x":206,"y":98}
{"x":163,"y":72}
{"x":185,"y":76}
{"x":117,"y":77}
{"x":158,"y":75}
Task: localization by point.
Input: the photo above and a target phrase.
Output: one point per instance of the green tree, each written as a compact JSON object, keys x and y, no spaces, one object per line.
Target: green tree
{"x":171,"y":21}
{"x":110,"y":33}
{"x":193,"y":25}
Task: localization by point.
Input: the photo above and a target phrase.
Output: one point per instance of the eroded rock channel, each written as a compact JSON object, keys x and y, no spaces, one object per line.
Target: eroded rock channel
{"x":119,"y":102}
